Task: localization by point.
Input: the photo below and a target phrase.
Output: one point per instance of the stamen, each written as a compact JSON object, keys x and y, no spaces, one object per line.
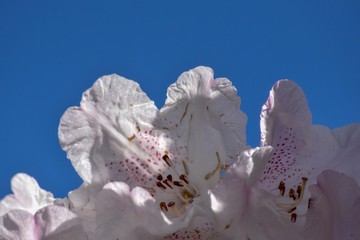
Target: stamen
{"x":159,"y":177}
{"x":163,"y":207}
{"x":184,"y":178}
{"x":186,"y":169}
{"x":167,"y":183}
{"x":299,"y":190}
{"x":310,"y":201}
{"x":160,"y":185}
{"x":291,"y":210}
{"x":169,"y":177}
{"x":167,"y":160}
{"x":187,"y":195}
{"x":292,"y":194}
{"x":177,"y":183}
{"x":282,"y":188}
{"x":174,"y":208}
{"x":295,"y":196}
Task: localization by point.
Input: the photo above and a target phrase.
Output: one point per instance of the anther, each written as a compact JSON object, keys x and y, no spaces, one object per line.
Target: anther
{"x":174,"y":208}
{"x":298,"y":191}
{"x":171,"y":204}
{"x":160,"y":185}
{"x":169,"y":177}
{"x":184,"y":178}
{"x":177,"y":183}
{"x":167,"y":183}
{"x":167,"y":160}
{"x":292,"y":194}
{"x":291,"y":210}
{"x":163,"y":207}
{"x":293,"y":217}
{"x":282,"y":188}
{"x":310,"y":201}
{"x":159,"y":177}
{"x":187,"y":195}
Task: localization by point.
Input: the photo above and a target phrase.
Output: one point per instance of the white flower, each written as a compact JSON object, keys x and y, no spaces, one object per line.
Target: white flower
{"x":27,"y":195}
{"x":51,"y":222}
{"x":30,"y":214}
{"x":155,"y":167}
{"x":243,"y":211}
{"x":334,"y":211}
{"x":302,"y":150}
{"x":271,"y":196}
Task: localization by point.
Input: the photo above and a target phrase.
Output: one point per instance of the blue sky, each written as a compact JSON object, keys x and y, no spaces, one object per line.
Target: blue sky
{"x":51,"y":51}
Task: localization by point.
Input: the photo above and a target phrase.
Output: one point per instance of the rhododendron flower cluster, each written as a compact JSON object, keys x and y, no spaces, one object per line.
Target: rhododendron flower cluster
{"x":185,"y":171}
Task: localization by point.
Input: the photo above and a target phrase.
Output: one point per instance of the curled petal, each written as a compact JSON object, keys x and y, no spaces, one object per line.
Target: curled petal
{"x":27,"y":195}
{"x":302,"y":150}
{"x":205,"y":113}
{"x":122,"y":213}
{"x":242,"y":211}
{"x":347,"y":160}
{"x":50,"y":223}
{"x":17,"y":224}
{"x":58,"y":223}
{"x":334,"y":211}
{"x":286,"y":107}
{"x":82,"y":203}
{"x":99,"y":133}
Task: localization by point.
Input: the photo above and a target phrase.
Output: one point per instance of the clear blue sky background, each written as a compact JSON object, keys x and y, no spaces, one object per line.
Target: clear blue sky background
{"x":51,"y":51}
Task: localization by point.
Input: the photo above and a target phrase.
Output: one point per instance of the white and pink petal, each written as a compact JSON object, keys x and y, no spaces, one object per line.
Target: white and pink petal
{"x":27,"y":195}
{"x":50,"y":223}
{"x":334,"y":208}
{"x":204,"y":112}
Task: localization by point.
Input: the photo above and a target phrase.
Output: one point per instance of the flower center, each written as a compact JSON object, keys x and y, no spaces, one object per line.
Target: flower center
{"x":175,"y":184}
{"x":295,"y":197}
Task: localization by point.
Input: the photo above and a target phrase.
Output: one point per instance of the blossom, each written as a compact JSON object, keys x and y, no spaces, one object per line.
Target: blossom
{"x":242,"y":210}
{"x":30,"y":213}
{"x":334,"y":211}
{"x":52,"y":222}
{"x":27,"y":195}
{"x":288,"y":192}
{"x":302,"y":150}
{"x":151,"y":169}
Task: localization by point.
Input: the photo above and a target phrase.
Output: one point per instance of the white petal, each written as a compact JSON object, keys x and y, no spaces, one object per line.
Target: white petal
{"x":300,"y":149}
{"x":334,"y":211}
{"x":199,"y":227}
{"x":244,"y":212}
{"x":286,"y":126}
{"x":58,"y":223}
{"x":99,"y":133}
{"x":82,"y":202}
{"x":50,"y":223}
{"x":347,"y":159}
{"x":250,"y":164}
{"x":122,"y":213}
{"x":286,"y":107}
{"x":205,"y":113}
{"x":27,"y":195}
{"x":17,"y":224}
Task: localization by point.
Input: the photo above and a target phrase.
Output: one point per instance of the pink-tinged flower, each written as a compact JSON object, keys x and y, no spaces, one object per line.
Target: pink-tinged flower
{"x":154,"y":167}
{"x":334,"y":211}
{"x":301,"y":150}
{"x":27,"y":195}
{"x":242,"y":211}
{"x":51,"y":222}
{"x":265,"y":194}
